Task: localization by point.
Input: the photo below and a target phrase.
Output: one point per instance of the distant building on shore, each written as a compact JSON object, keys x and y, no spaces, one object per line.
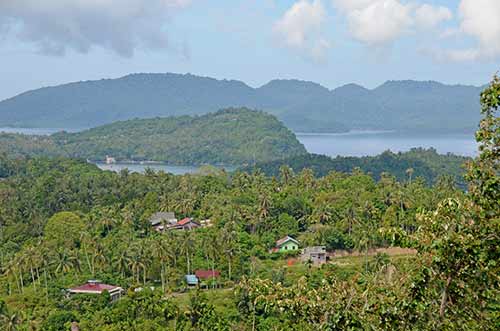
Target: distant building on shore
{"x":110,"y":160}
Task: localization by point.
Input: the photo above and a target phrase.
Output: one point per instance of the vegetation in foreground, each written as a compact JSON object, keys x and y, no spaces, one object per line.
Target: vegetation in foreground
{"x":64,"y":221}
{"x":231,"y":136}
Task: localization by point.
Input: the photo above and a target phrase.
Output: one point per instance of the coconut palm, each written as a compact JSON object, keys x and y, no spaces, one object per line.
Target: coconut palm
{"x":99,"y":257}
{"x":229,"y":240}
{"x":64,"y":262}
{"x":162,"y":253}
{"x":121,"y":262}
{"x":187,"y":248}
{"x":32,"y":259}
{"x":135,"y":264}
{"x":10,"y":322}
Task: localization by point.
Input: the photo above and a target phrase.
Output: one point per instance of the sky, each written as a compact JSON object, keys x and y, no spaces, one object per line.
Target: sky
{"x":331,"y":42}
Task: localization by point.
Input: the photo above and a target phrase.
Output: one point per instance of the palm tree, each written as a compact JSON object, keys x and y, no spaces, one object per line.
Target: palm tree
{"x":212,"y":249}
{"x":99,"y":257}
{"x":86,"y":241}
{"x":162,"y":253}
{"x":410,"y":172}
{"x":121,"y":262}
{"x":187,"y":246}
{"x":135,"y":264}
{"x":31,"y":256}
{"x":45,"y":263}
{"x":64,"y":262}
{"x":264,"y":206}
{"x":10,"y":322}
{"x":322,"y":214}
{"x":286,"y":174}
{"x":229,"y":239}
{"x":19,"y":261}
{"x":10,"y":271}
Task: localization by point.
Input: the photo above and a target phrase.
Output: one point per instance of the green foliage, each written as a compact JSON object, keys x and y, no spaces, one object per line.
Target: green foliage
{"x":422,"y":163}
{"x":63,"y":230}
{"x":58,"y":321}
{"x":64,"y":221}
{"x":231,"y":136}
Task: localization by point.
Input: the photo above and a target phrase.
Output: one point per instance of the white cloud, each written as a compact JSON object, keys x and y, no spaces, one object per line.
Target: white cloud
{"x":349,"y":5}
{"x":427,"y":16}
{"x":480,"y":19}
{"x":380,"y":22}
{"x":449,"y":33}
{"x":300,"y":29}
{"x":119,"y":25}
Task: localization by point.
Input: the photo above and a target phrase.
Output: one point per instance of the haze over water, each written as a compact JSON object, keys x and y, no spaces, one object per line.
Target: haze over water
{"x":371,"y":143}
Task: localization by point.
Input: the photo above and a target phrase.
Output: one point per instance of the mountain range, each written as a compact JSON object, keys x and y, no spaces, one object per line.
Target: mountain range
{"x":302,"y":106}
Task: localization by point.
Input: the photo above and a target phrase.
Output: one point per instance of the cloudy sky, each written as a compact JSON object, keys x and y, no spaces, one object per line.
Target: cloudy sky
{"x":332,"y":42}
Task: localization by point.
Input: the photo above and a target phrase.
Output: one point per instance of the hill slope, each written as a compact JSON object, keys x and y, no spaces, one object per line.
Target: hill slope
{"x":302,"y":106}
{"x":426,"y":163}
{"x":231,"y":136}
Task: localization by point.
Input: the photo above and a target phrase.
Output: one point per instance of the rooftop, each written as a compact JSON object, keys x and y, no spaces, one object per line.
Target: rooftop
{"x":94,"y":286}
{"x":191,"y":280}
{"x":207,"y":274}
{"x":284,"y":240}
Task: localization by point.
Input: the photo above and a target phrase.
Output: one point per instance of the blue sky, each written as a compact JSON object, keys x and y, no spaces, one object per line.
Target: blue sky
{"x":332,"y":42}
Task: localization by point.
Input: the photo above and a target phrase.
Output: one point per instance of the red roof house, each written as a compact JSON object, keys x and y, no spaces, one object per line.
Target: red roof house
{"x":96,"y":287}
{"x":185,"y":224}
{"x":207,"y":274}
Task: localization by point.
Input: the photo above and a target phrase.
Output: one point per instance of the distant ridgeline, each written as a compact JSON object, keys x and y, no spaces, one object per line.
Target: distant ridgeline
{"x":302,"y":106}
{"x":231,"y":136}
{"x":424,"y":163}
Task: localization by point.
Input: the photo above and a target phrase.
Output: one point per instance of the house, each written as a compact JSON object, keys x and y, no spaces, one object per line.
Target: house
{"x":286,"y":244}
{"x":316,"y":255}
{"x":110,"y":160}
{"x":161,"y":220}
{"x":206,"y":223}
{"x":96,"y":287}
{"x":206,"y":274}
{"x":184,"y":224}
{"x":207,"y":277}
{"x":192,"y":280}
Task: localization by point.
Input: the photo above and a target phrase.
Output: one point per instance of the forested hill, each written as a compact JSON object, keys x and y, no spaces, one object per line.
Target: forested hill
{"x":302,"y":106}
{"x":424,"y":163}
{"x":231,"y":136}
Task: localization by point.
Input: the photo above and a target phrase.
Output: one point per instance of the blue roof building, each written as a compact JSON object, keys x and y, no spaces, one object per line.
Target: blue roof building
{"x":191,"y":280}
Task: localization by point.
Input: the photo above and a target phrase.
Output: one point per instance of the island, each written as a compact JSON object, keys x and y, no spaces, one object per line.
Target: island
{"x":233,"y":136}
